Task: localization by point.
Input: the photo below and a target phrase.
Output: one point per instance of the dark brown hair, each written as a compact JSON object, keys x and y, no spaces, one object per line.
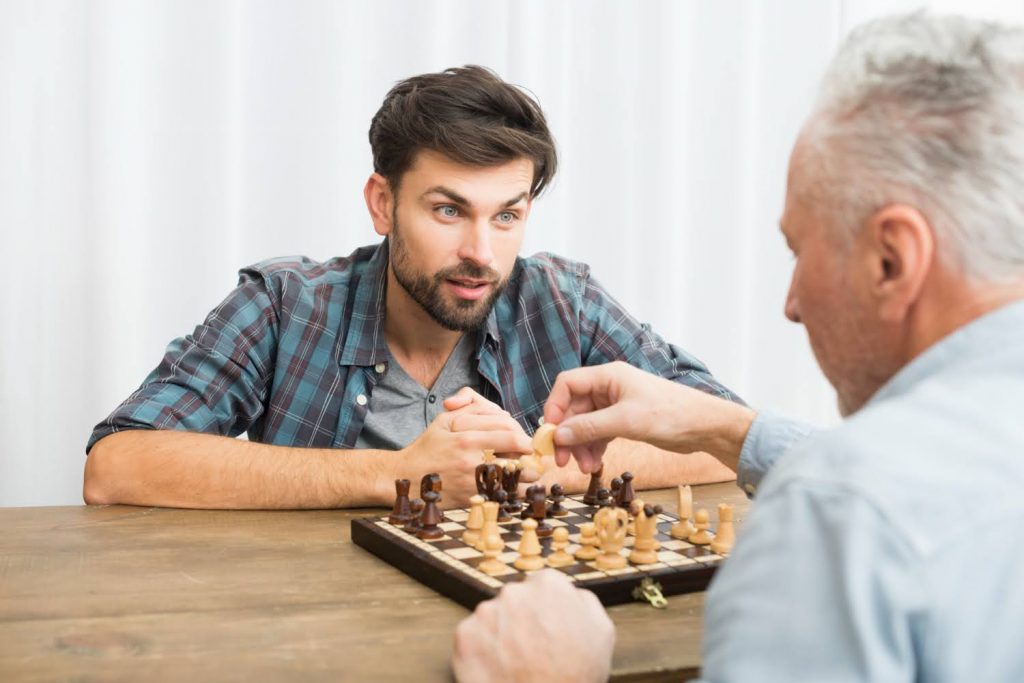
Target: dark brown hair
{"x":467,"y":114}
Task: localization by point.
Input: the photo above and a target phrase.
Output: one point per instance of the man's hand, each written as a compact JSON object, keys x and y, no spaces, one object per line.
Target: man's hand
{"x":593,"y":405}
{"x":454,"y":443}
{"x":542,"y":629}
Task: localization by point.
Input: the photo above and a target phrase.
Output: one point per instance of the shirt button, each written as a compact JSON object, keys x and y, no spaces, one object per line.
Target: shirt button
{"x":380,"y":367}
{"x":361,"y":399}
{"x":431,"y":399}
{"x":750,"y":488}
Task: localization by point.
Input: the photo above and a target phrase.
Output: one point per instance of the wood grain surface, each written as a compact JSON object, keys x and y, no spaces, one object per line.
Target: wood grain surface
{"x":119,"y":593}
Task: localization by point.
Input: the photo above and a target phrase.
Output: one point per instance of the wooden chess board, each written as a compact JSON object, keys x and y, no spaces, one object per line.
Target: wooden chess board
{"x":449,"y":566}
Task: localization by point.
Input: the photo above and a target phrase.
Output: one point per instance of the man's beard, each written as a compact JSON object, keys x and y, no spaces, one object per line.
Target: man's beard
{"x":462,"y":315}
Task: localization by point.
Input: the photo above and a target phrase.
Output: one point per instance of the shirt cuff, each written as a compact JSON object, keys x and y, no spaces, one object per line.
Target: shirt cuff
{"x":769,"y":437}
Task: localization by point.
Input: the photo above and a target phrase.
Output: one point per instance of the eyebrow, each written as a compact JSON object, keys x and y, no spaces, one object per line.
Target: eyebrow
{"x":462,"y":201}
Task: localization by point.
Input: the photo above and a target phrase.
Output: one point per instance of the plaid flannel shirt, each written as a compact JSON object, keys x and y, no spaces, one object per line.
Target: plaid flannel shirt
{"x":292,"y":355}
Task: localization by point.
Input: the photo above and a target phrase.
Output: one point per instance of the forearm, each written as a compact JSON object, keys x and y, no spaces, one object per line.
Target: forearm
{"x":190,"y":470}
{"x":654,"y":468}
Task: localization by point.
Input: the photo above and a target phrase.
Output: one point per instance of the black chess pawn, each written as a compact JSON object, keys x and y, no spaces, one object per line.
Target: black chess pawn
{"x":556,"y":497}
{"x":590,"y":497}
{"x":415,"y":510}
{"x":400,"y":513}
{"x":626,"y":495}
{"x":616,"y":492}
{"x":430,"y":518}
{"x":604,"y":498}
{"x":432,"y":482}
{"x":501,"y":498}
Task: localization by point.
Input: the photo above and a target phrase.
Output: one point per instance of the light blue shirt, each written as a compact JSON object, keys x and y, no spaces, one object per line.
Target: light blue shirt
{"x":890,"y":548}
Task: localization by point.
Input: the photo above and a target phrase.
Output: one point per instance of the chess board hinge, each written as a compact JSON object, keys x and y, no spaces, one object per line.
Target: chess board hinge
{"x":650,"y":591}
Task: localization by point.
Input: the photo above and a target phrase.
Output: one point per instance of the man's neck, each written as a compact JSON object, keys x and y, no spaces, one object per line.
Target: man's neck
{"x":954,"y":304}
{"x":416,"y":340}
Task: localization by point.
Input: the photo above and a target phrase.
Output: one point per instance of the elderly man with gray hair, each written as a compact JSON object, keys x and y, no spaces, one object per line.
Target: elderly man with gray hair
{"x":888,"y":548}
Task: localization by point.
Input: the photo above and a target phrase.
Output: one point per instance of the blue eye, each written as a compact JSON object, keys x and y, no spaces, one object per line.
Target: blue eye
{"x":449,"y":211}
{"x":506,"y":217}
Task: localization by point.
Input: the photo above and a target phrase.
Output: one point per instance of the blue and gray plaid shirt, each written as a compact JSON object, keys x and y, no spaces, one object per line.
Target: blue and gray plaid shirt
{"x":293,"y":353}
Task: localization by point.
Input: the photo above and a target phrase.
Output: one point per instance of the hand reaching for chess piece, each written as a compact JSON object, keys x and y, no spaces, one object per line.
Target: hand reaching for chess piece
{"x":577,"y":646}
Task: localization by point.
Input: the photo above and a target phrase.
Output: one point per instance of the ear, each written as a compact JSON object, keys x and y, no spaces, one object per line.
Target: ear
{"x":900,"y":252}
{"x":380,"y":202}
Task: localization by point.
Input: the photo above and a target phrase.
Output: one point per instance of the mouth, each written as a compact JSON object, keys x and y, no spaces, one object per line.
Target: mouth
{"x":468,"y":288}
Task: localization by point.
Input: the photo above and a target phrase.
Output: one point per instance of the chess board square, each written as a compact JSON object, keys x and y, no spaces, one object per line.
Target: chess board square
{"x":619,"y":572}
{"x":457,"y":515}
{"x":630,"y":540}
{"x":668,"y":555}
{"x":508,"y":557}
{"x":512,"y":544}
{"x":554,"y":521}
{"x":572,"y":503}
{"x":463,"y":553}
{"x":651,"y":567}
{"x":679,"y":561}
{"x":450,"y":526}
{"x":675,"y":544}
{"x":589,"y":576}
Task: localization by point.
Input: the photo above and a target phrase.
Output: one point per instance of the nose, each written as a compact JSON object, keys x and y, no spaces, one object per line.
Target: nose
{"x":476,"y":244}
{"x":792,"y":308}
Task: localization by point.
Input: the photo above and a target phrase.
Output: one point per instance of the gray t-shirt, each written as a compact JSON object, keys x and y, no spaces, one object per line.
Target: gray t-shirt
{"x":401,"y":408}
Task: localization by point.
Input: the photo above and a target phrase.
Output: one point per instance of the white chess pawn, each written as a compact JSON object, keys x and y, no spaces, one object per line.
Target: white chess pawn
{"x":529,"y":548}
{"x":559,"y":540}
{"x":588,"y":543}
{"x":683,"y":529}
{"x":492,"y":548}
{"x":703,"y":522}
{"x":490,"y":524}
{"x":475,"y":523}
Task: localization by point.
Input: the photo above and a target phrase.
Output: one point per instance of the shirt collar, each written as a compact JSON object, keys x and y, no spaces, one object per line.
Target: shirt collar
{"x":363,"y":327}
{"x":1001,"y":328}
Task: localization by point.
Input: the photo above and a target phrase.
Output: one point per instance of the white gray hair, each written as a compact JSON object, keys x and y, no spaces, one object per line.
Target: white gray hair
{"x":929,"y":111}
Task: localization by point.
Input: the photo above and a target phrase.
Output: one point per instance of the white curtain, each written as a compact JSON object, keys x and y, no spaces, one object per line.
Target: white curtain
{"x":150,"y":149}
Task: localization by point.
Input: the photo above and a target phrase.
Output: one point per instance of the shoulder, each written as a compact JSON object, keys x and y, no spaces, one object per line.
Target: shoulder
{"x":545,"y":269}
{"x":919,"y":459}
{"x":305,"y":272}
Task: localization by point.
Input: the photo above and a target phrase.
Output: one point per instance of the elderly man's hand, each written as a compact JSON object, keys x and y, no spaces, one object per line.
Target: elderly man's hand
{"x":543,"y":629}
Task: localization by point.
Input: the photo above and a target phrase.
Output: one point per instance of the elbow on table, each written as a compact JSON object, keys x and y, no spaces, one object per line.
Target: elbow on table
{"x":99,"y":481}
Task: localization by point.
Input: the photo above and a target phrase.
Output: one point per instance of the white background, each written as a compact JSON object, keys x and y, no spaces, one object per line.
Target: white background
{"x":148,"y":149}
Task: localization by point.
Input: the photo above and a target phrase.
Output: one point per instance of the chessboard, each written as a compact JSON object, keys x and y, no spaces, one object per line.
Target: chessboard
{"x":449,"y":566}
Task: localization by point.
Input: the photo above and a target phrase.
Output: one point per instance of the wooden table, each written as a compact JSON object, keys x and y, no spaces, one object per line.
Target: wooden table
{"x":133,"y":594}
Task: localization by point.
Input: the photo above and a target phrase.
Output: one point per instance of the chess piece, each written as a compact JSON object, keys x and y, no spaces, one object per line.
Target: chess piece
{"x":646,"y":519}
{"x":626,"y":495}
{"x":415,"y":510}
{"x":616,"y":492}
{"x":726,"y":536}
{"x":544,"y":440}
{"x":559,"y":541}
{"x":588,"y":542}
{"x":556,"y":497}
{"x":683,"y":529}
{"x":604,"y":498}
{"x":701,"y":536}
{"x":475,"y":522}
{"x":539,"y":511}
{"x":400,"y":513}
{"x":488,"y":455}
{"x":529,"y":548}
{"x":510,"y":482}
{"x":490,"y":525}
{"x":430,"y":518}
{"x":532,"y":462}
{"x":501,"y":498}
{"x":432,"y":482}
{"x":610,"y":523}
{"x":527,"y":510}
{"x":590,"y":497}
{"x":488,"y":480}
{"x":492,"y":548}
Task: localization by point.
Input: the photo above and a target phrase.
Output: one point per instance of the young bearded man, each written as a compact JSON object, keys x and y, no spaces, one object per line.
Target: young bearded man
{"x":886,"y":549}
{"x":411,"y":356}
